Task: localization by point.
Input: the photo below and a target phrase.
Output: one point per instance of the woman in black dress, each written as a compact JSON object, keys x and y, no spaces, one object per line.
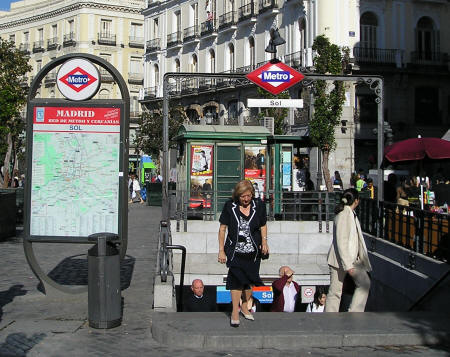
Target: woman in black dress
{"x":244,"y":217}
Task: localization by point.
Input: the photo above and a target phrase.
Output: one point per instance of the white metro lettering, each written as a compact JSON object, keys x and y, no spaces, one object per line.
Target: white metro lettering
{"x":275,"y":76}
{"x":78,"y":79}
{"x":75,"y":127}
{"x":75,"y":113}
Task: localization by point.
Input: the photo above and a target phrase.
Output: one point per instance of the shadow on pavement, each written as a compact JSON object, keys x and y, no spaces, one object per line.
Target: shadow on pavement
{"x":73,"y":271}
{"x":8,"y":296}
{"x":18,"y":344}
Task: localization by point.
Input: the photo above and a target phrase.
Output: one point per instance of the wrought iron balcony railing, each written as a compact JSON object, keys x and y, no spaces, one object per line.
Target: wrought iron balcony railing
{"x":375,"y":55}
{"x":134,"y":77}
{"x":153,"y":45}
{"x":150,"y":92}
{"x":208,"y":27}
{"x":429,"y":58}
{"x":50,"y":78}
{"x":24,"y":47}
{"x":69,"y":39}
{"x":105,"y":38}
{"x":137,"y":42}
{"x":52,"y":43}
{"x":106,"y":76}
{"x":294,"y":59}
{"x":38,"y":46}
{"x":265,"y":5}
{"x":174,"y":39}
{"x":227,"y":20}
{"x":191,"y":33}
{"x":246,"y":11}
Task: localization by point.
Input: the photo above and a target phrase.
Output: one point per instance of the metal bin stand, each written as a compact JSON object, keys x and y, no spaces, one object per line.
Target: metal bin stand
{"x":104,"y":295}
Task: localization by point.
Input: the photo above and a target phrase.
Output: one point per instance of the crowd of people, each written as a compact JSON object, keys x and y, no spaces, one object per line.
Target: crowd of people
{"x":243,"y":243}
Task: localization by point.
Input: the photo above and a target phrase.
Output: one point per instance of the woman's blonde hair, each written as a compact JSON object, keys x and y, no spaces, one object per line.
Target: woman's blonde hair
{"x":241,"y":187}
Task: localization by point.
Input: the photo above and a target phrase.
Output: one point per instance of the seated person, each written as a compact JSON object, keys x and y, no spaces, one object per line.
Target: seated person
{"x":285,"y":292}
{"x":318,"y":305}
{"x":198,"y":301}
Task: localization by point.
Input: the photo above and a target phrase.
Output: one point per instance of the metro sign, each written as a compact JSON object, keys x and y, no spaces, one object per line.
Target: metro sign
{"x":275,"y":77}
{"x":78,"y":79}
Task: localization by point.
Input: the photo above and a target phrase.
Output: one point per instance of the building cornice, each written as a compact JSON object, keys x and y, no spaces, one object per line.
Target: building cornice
{"x":65,"y":10}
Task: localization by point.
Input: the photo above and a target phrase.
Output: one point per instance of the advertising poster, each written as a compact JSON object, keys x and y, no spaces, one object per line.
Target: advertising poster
{"x":70,"y":195}
{"x":201,"y":160}
{"x":255,"y":168}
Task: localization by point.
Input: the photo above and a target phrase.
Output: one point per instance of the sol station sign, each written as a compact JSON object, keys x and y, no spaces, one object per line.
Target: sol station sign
{"x":78,"y":79}
{"x":275,"y":77}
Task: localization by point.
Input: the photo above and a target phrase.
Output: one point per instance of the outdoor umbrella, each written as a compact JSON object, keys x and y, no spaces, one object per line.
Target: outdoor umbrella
{"x":417,"y":149}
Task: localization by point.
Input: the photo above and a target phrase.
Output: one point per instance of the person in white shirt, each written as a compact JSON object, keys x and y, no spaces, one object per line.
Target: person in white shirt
{"x":318,"y":305}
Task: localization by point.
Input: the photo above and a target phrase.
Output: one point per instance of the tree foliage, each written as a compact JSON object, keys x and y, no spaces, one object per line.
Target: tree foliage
{"x":150,"y":134}
{"x":13,"y":68}
{"x":328,"y":99}
{"x":278,"y":114}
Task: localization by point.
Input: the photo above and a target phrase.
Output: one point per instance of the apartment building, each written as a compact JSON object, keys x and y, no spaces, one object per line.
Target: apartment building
{"x":111,"y":29}
{"x":405,"y":41}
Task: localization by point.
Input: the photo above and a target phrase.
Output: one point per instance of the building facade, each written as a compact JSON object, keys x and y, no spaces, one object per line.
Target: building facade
{"x":111,"y":29}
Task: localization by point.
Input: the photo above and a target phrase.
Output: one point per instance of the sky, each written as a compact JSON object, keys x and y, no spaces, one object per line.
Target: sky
{"x":4,"y":4}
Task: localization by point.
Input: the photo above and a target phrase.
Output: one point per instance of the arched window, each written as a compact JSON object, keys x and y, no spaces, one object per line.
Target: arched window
{"x":427,"y":40}
{"x":231,"y":65}
{"x":52,"y":94}
{"x":156,"y":75}
{"x":212,"y":61}
{"x":194,"y":64}
{"x":103,"y":94}
{"x":251,"y":44}
{"x":368,"y":29}
{"x":177,"y":65}
{"x":302,"y":30}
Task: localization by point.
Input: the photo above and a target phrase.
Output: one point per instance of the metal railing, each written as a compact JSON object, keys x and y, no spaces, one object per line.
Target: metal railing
{"x":191,"y":33}
{"x":174,"y":39}
{"x":52,"y":43}
{"x":150,"y":92}
{"x":38,"y":46}
{"x":135,"y":77}
{"x":134,"y":41}
{"x":106,"y":39}
{"x":24,"y":47}
{"x":208,"y":27}
{"x":281,"y":206}
{"x":227,"y":20}
{"x":375,"y":55}
{"x":409,"y":227}
{"x":294,"y":59}
{"x":106,"y":76}
{"x":153,"y":45}
{"x":69,"y":39}
{"x":265,"y":5}
{"x":429,"y":58}
{"x":246,"y":11}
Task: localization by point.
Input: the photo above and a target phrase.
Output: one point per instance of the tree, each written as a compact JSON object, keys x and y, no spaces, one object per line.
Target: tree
{"x":13,"y":68}
{"x":278,"y":114}
{"x":328,"y":99}
{"x":150,"y":136}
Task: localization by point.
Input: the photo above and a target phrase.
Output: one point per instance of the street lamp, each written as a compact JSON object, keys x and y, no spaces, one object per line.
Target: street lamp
{"x":275,"y":40}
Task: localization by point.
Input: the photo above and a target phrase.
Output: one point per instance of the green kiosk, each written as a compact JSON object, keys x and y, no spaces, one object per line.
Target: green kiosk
{"x":213,"y":158}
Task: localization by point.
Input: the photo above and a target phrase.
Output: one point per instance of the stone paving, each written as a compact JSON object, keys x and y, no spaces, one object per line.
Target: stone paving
{"x":32,"y":324}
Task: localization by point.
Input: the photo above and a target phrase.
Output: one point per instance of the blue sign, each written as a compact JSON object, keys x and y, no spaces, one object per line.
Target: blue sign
{"x":263,"y":293}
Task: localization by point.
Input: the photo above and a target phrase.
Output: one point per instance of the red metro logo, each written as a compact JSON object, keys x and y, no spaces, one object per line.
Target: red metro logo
{"x":78,"y":79}
{"x":275,"y":77}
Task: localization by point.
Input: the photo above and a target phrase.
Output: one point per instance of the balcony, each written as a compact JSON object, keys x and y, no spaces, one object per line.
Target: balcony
{"x":50,"y":78}
{"x":175,"y":88}
{"x":174,"y":39}
{"x":268,"y":7}
{"x":105,"y":38}
{"x":153,"y":45}
{"x":191,"y":34}
{"x":189,"y":86}
{"x":106,"y":76}
{"x":38,"y":46}
{"x":246,"y":69}
{"x":69,"y":40}
{"x":364,"y":55}
{"x":429,"y":58}
{"x":24,"y":47}
{"x":294,"y":59}
{"x":208,"y":28}
{"x":136,"y":42}
{"x":228,"y":21}
{"x":135,"y":78}
{"x":52,"y":44}
{"x":206,"y":84}
{"x":252,"y":120}
{"x":247,"y":12}
{"x":150,"y":92}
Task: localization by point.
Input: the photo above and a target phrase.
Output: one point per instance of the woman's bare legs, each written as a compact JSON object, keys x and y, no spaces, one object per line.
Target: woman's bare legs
{"x":235,"y":297}
{"x":246,"y":294}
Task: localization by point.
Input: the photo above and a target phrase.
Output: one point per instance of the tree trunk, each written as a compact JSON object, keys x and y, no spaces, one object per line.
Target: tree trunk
{"x":326,"y":171}
{"x":7,"y":161}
